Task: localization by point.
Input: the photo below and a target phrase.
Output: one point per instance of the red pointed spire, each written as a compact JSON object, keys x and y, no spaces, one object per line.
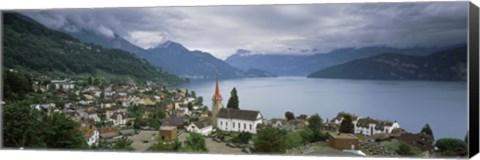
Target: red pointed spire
{"x":217,"y":95}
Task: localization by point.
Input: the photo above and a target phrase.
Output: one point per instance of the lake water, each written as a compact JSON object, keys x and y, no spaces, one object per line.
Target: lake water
{"x":443,"y":105}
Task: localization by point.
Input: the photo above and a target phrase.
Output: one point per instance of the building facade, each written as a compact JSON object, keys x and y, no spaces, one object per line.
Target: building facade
{"x":238,"y":120}
{"x":364,"y":125}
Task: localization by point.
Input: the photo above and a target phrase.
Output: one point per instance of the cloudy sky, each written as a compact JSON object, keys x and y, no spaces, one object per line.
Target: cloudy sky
{"x":273,"y":29}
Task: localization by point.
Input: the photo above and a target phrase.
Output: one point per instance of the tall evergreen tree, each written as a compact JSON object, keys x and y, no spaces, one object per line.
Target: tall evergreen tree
{"x":346,"y":126}
{"x":233,"y":100}
{"x":427,"y":130}
{"x":315,"y":124}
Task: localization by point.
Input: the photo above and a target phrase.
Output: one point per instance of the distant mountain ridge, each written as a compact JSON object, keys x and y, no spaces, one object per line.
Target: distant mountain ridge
{"x":302,"y":65}
{"x":177,"y":59}
{"x":173,"y":57}
{"x":448,"y":65}
{"x":32,"y":47}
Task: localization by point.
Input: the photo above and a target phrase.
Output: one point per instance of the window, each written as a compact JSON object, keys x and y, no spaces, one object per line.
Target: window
{"x":250,"y":126}
{"x":233,"y":124}
{"x":238,"y":125}
{"x":244,"y":126}
{"x":221,"y":123}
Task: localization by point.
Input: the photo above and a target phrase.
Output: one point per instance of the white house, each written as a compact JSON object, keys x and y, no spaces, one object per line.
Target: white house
{"x":201,"y":127}
{"x":65,"y":84}
{"x":238,"y":120}
{"x":369,"y":126}
{"x":90,"y":133}
{"x":366,"y":125}
{"x":119,"y":118}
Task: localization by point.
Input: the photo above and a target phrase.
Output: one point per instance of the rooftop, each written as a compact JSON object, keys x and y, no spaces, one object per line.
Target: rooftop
{"x":168,"y":128}
{"x":343,"y":136}
{"x":238,"y":114}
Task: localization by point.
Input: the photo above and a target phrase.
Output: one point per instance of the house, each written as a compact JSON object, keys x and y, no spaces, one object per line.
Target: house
{"x":202,"y":127}
{"x":343,"y":141}
{"x":303,"y":117}
{"x":363,"y":125}
{"x":238,"y":120}
{"x":109,"y":135}
{"x":280,"y":123}
{"x":182,"y":112}
{"x":90,"y":133}
{"x":119,"y":118}
{"x":45,"y":106}
{"x":92,"y":115}
{"x":63,"y":84}
{"x":369,"y":126}
{"x":179,"y":122}
{"x":168,"y":133}
{"x":148,"y":101}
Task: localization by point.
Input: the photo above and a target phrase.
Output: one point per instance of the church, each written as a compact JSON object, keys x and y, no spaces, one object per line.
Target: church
{"x":232,"y":119}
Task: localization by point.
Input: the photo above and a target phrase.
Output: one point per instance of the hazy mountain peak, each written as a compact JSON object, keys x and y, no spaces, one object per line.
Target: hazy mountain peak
{"x":243,"y":52}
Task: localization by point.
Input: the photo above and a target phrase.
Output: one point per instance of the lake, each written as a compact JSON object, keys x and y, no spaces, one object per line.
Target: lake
{"x":443,"y":105}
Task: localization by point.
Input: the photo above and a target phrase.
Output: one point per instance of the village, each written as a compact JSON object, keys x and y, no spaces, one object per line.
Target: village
{"x":151,"y":118}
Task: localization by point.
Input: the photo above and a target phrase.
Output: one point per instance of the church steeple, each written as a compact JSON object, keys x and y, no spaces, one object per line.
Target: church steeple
{"x":216,"y":103}
{"x":217,"y":95}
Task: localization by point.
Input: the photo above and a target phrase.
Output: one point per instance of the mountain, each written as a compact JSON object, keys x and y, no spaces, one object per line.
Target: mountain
{"x":116,"y":41}
{"x":177,"y":59}
{"x":32,"y":47}
{"x":302,"y":65}
{"x":171,"y":56}
{"x":450,"y":65}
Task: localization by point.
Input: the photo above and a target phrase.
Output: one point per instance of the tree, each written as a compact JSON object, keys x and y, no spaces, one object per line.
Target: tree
{"x":346,"y":126}
{"x":307,"y":135}
{"x":194,"y":143}
{"x":449,"y":146}
{"x":289,"y":116}
{"x":190,"y":106}
{"x":233,"y":100}
{"x":27,"y":127}
{"x":199,"y":101}
{"x":102,"y":94}
{"x":161,"y":146}
{"x":405,"y":149}
{"x":16,"y":85}
{"x":315,"y":124}
{"x":89,"y":81}
{"x":427,"y":130}
{"x":193,"y":94}
{"x":62,"y":132}
{"x":292,"y":139}
{"x":21,"y":126}
{"x":123,"y":144}
{"x":242,"y":138}
{"x":269,"y":140}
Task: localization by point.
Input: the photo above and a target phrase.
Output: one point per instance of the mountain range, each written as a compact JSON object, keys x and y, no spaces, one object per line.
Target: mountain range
{"x":31,"y":47}
{"x":302,"y":65}
{"x":448,"y":65}
{"x":173,"y":57}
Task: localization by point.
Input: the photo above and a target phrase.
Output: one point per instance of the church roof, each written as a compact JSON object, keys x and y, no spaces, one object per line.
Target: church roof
{"x":217,"y":95}
{"x":238,"y":114}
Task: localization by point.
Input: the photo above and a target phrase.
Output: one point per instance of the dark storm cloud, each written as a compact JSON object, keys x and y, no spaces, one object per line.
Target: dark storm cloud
{"x":274,"y":28}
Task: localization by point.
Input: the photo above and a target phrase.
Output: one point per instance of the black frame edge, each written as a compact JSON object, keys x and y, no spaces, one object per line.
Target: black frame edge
{"x":473,"y":42}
